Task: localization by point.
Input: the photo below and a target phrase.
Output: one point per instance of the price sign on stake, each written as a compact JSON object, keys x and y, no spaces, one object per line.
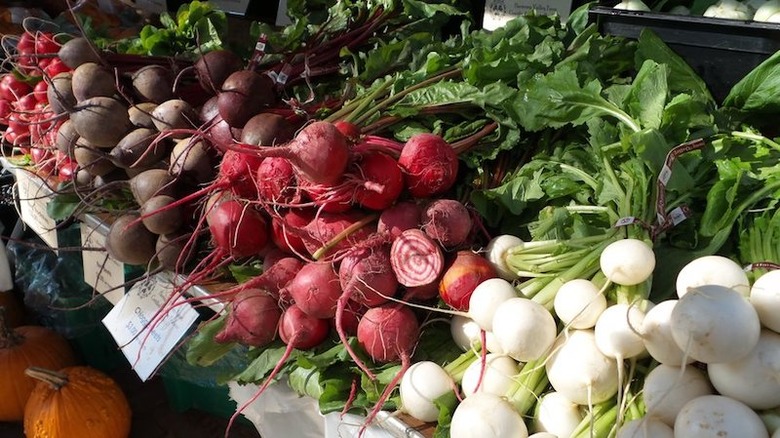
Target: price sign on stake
{"x":101,"y":271}
{"x":33,"y":197}
{"x":129,"y":324}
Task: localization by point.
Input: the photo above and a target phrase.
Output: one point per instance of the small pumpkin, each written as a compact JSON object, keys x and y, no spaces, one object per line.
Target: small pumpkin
{"x":78,"y":401}
{"x":21,"y":348}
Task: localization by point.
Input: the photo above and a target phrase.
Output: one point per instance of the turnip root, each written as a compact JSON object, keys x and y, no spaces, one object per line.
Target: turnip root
{"x":627,"y":261}
{"x":579,"y":303}
{"x":423,"y":383}
{"x":493,"y":376}
{"x":462,"y":276}
{"x":524,"y":329}
{"x":447,"y":221}
{"x":430,"y":165}
{"x":713,"y":324}
{"x":667,"y":389}
{"x":646,"y":427}
{"x":556,"y":414}
{"x":416,"y":259}
{"x":252,"y":319}
{"x":716,"y":416}
{"x":487,"y":415}
{"x":765,"y":297}
{"x":496,"y":252}
{"x":713,"y":269}
{"x":657,"y":335}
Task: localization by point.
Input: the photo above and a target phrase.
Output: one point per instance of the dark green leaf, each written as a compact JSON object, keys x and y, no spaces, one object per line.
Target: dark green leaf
{"x":61,"y":206}
{"x":759,"y":91}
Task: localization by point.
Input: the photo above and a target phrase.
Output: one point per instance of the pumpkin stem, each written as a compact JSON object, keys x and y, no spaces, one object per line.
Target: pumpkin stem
{"x":56,"y":379}
{"x":8,"y":337}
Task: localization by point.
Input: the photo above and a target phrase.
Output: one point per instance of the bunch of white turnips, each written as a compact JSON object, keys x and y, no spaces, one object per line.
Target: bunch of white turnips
{"x":717,"y":347}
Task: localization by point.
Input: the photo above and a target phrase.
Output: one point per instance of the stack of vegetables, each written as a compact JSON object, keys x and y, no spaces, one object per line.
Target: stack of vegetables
{"x":481,"y":230}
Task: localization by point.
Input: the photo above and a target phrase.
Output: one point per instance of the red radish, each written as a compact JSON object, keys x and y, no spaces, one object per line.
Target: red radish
{"x":45,"y":43}
{"x":238,"y":229}
{"x":296,"y":330}
{"x":447,"y":221}
{"x":252,"y":319}
{"x":276,"y":181}
{"x":335,"y":232}
{"x":316,"y":290}
{"x":430,"y":165}
{"x":329,"y":199}
{"x":55,"y":67}
{"x":399,"y":218}
{"x":388,"y":333}
{"x":286,"y":230}
{"x":319,"y":152}
{"x":12,"y":88}
{"x":365,"y":278}
{"x":39,"y":91}
{"x":464,"y":273}
{"x":416,"y":259}
{"x":349,"y":129}
{"x":381,"y":181}
{"x":67,"y":170}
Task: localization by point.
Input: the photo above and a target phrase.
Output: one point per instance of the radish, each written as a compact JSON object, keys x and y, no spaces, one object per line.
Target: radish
{"x":714,"y":269}
{"x":765,"y":297}
{"x":237,"y":229}
{"x":556,"y":414}
{"x":486,"y":297}
{"x":755,"y":379}
{"x":716,"y":416}
{"x":646,"y":427}
{"x":399,"y":218}
{"x":657,"y":334}
{"x":430,"y":165}
{"x":497,"y":251}
{"x":421,"y":384}
{"x":366,"y":278}
{"x":319,"y":152}
{"x":579,"y":371}
{"x":316,"y":290}
{"x":276,"y":181}
{"x":578,"y":304}
{"x":462,"y":276}
{"x":298,"y":331}
{"x":379,"y":181}
{"x":252,"y":319}
{"x":486,"y":415}
{"x":447,"y":221}
{"x":388,"y":333}
{"x":415,"y":259}
{"x":493,"y":376}
{"x":713,"y":324}
{"x":667,"y":389}
{"x":524,"y":329}
{"x":627,"y":262}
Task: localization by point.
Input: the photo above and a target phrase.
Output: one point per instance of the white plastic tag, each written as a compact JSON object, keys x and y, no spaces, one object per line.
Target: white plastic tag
{"x":129,"y":323}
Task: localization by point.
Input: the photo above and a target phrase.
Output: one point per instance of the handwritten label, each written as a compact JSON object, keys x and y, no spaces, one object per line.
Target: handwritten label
{"x":144,"y":341}
{"x":33,"y":197}
{"x":101,"y":271}
{"x":499,"y":12}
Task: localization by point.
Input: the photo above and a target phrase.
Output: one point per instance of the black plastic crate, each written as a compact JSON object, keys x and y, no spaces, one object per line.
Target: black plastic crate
{"x":721,"y":51}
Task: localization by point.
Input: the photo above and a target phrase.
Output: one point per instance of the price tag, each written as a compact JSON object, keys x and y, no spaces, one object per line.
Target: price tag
{"x":129,"y":323}
{"x":33,"y":197}
{"x":499,"y":12}
{"x":231,"y":6}
{"x":101,"y":271}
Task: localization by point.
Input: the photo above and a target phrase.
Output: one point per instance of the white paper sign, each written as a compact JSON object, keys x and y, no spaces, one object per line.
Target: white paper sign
{"x":33,"y":197}
{"x":128,"y":322}
{"x":101,"y":271}
{"x":499,"y":12}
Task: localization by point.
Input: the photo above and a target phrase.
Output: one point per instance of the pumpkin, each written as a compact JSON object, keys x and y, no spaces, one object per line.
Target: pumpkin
{"x":77,"y":401}
{"x":14,"y":314}
{"x":21,"y":348}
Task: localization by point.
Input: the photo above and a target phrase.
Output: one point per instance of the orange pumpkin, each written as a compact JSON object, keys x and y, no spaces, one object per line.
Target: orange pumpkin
{"x":21,"y":348}
{"x":74,"y":402}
